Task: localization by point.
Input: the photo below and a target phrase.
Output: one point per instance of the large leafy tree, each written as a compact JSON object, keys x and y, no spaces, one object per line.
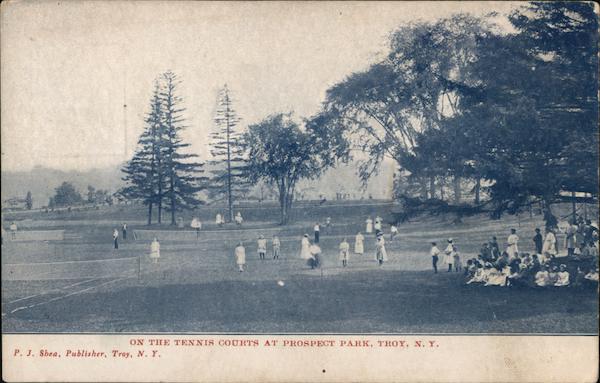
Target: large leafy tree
{"x":66,"y":195}
{"x":529,"y":123}
{"x":282,"y":153}
{"x":228,"y":163}
{"x":418,"y":85}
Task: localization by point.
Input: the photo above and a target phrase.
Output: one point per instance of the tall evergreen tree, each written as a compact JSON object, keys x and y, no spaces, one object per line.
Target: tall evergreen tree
{"x":144,"y":173}
{"x":183,"y":177}
{"x":227,"y":152}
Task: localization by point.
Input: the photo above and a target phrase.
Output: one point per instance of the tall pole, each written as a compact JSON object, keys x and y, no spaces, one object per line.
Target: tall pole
{"x":125,"y":146}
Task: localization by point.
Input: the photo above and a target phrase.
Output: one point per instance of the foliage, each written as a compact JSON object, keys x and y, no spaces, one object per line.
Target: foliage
{"x":281,"y":153}
{"x":65,"y":195}
{"x":228,"y":163}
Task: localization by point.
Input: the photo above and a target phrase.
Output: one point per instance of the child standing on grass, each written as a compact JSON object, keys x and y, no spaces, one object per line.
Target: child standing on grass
{"x":116,"y":238}
{"x":262,"y":247}
{"x":369,"y":228}
{"x":276,"y":247}
{"x":155,"y":250}
{"x":13,"y":230}
{"x":393,"y":232}
{"x":435,"y":252}
{"x":359,"y":247}
{"x":380,"y":254}
{"x":240,"y":256}
{"x":344,"y":252}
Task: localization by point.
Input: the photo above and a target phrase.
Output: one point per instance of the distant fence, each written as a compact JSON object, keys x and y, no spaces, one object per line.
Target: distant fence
{"x":35,"y":235}
{"x":189,"y":235}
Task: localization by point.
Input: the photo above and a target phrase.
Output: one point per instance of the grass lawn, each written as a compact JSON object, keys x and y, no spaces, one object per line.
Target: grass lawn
{"x":196,"y":288}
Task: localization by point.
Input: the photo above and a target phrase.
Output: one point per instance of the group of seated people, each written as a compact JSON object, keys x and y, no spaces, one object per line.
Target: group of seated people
{"x":533,"y":270}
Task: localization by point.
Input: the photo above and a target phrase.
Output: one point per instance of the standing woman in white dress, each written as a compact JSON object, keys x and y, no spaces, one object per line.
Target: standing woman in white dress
{"x":549,"y":247}
{"x":380,"y":253}
{"x":369,"y":228}
{"x":305,"y":249}
{"x":359,"y":244}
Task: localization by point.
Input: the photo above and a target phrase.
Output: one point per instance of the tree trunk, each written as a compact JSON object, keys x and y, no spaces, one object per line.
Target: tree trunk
{"x":477,"y":190}
{"x":159,"y":218}
{"x":229,"y":197}
{"x":423,"y":183}
{"x":150,"y":214}
{"x":442,"y":191}
{"x":457,"y":190}
{"x":172,"y":191}
{"x":431,"y":186}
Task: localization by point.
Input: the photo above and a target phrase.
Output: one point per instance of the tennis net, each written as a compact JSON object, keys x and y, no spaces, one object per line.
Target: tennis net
{"x":102,"y":268}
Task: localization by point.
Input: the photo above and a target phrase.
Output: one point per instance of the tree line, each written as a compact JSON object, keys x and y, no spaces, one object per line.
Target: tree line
{"x":512,"y":111}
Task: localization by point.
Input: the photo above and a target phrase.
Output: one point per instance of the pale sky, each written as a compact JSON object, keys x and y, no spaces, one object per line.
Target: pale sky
{"x":68,"y":67}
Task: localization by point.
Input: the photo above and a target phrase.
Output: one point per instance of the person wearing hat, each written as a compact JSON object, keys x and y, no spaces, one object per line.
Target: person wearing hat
{"x":542,"y":277}
{"x":262,"y":247}
{"x":305,"y":249}
{"x":449,"y":254}
{"x":562,"y":277}
{"x":381,"y":253}
{"x":155,"y":250}
{"x":240,"y":256}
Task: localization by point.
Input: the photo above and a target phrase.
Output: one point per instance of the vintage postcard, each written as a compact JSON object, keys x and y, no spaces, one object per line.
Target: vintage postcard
{"x":299,"y":191}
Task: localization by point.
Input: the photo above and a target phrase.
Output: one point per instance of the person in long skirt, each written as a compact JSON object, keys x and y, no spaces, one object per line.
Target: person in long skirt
{"x":219,"y":220}
{"x":449,"y":254}
{"x":513,"y":245}
{"x":116,"y":238}
{"x":344,"y":252}
{"x":238,"y":218}
{"x":359,"y":244}
{"x":571,"y":238}
{"x":549,"y":248}
{"x":240,"y":256}
{"x":262,"y":247}
{"x":305,"y":249}
{"x":124,"y":230}
{"x":196,"y":225}
{"x":276,"y":247}
{"x":369,"y":228}
{"x":380,"y":253}
{"x":435,"y":252}
{"x":155,"y":250}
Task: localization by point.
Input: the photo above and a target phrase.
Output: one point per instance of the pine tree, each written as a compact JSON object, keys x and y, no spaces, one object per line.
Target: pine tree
{"x":227,"y":152}
{"x":144,"y":173}
{"x":183,"y":177}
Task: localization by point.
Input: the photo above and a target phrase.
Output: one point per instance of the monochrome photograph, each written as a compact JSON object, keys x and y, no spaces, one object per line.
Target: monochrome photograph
{"x":299,"y":168}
